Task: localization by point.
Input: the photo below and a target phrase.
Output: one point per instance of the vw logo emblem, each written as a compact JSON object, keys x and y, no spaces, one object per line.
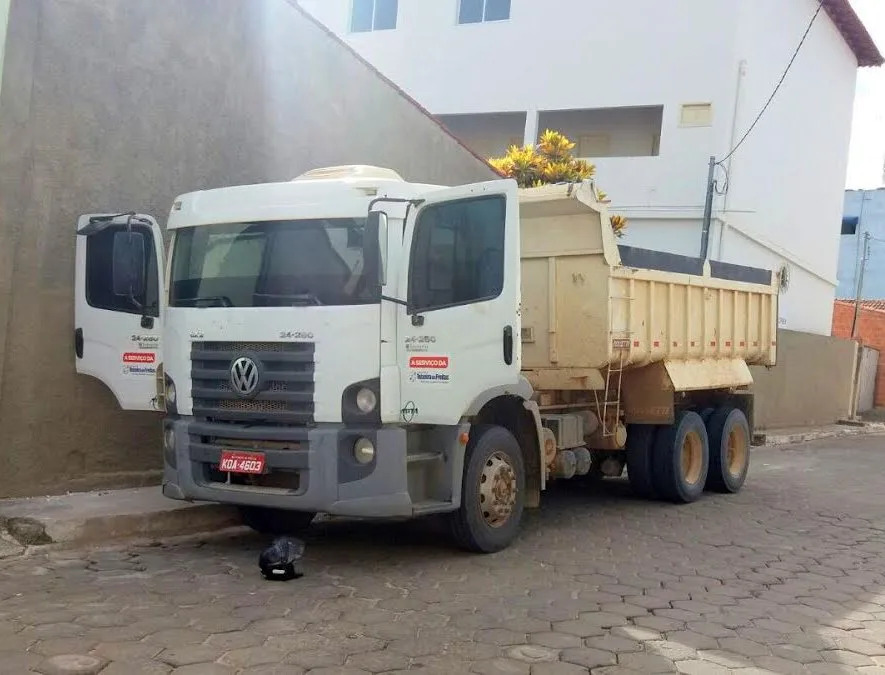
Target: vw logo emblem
{"x":244,"y":376}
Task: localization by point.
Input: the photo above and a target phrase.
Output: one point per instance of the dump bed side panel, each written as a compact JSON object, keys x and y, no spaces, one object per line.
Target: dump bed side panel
{"x":668,"y":316}
{"x":588,"y":303}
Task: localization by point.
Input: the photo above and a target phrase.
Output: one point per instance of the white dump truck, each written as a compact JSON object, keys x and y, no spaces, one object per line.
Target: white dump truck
{"x":353,"y":344}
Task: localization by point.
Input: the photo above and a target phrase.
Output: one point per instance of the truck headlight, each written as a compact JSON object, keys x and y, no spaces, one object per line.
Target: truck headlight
{"x":169,"y":438}
{"x":361,"y":404}
{"x":366,"y":400}
{"x":363,"y":451}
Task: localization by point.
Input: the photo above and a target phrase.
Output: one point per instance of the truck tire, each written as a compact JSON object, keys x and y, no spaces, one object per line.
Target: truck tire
{"x":729,"y":450}
{"x":492,"y":491}
{"x":681,"y":459}
{"x":640,"y":472}
{"x":276,"y":522}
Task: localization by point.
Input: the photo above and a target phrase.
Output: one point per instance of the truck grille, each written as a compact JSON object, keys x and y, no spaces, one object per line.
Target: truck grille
{"x":285,"y":390}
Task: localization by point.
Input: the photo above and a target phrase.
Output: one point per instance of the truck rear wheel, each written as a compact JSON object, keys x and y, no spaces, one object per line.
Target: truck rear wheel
{"x":276,"y":521}
{"x":682,"y":459}
{"x":492,"y":491}
{"x":729,"y":450}
{"x":640,"y":472}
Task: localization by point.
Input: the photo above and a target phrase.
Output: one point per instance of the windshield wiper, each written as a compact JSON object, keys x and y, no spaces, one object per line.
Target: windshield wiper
{"x":211,"y":301}
{"x":293,"y":300}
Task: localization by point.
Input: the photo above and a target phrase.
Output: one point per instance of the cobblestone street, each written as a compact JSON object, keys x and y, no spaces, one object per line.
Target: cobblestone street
{"x":788,"y":578}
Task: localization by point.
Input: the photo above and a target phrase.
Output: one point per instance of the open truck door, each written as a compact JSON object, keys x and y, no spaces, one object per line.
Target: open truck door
{"x":118,"y":307}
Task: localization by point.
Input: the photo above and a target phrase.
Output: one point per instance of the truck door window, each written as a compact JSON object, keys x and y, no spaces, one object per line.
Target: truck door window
{"x":458,"y":253}
{"x":99,"y":283}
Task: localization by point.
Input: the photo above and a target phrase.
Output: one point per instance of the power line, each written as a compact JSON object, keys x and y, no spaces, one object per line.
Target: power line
{"x":820,"y":6}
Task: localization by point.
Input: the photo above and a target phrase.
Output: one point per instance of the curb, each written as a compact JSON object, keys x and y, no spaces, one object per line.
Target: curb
{"x":777,"y":440}
{"x":88,"y":518}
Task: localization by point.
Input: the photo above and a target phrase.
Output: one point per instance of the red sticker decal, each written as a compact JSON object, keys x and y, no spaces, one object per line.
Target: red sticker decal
{"x":429,"y":362}
{"x":139,"y":357}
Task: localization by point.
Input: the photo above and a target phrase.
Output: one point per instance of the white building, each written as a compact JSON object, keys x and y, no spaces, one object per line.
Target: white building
{"x":650,"y":90}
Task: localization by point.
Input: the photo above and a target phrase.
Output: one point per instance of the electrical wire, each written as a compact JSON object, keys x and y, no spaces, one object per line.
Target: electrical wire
{"x":820,"y":6}
{"x":724,"y":189}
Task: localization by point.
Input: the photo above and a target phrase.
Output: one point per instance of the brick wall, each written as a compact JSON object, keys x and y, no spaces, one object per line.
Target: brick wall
{"x":870,"y":331}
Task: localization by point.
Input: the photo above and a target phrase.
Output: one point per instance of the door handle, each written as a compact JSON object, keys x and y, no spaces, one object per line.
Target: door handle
{"x":78,"y":343}
{"x":508,"y":345}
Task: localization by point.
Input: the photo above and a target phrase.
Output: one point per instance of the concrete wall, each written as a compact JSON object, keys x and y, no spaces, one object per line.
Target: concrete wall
{"x":812,"y":384}
{"x":122,"y":104}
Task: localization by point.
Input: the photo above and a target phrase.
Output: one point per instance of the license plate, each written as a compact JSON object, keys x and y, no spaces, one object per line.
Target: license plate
{"x":241,"y":462}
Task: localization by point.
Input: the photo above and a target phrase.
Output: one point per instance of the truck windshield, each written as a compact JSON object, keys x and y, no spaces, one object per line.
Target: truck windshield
{"x":290,"y":263}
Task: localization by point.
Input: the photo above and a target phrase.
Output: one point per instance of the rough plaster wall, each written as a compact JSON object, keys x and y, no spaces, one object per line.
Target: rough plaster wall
{"x":812,"y":383}
{"x":123,"y":104}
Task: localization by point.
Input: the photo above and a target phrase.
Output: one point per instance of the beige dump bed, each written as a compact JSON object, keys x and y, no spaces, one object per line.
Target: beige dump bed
{"x":589,"y":305}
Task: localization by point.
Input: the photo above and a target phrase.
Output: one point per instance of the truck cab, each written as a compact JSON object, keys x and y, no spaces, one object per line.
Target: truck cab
{"x":318,"y":345}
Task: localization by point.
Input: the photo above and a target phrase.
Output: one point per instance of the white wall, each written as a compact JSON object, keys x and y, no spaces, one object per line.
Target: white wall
{"x":609,"y":59}
{"x":791,"y":171}
{"x":785,"y":184}
{"x":4,"y":22}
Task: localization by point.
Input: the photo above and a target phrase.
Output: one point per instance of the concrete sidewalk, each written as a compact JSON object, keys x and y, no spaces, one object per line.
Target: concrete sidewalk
{"x":92,"y":517}
{"x":100,"y":517}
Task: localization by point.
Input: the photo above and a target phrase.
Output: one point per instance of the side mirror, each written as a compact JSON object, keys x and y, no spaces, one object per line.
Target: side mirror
{"x":128,"y":264}
{"x":376,"y":236}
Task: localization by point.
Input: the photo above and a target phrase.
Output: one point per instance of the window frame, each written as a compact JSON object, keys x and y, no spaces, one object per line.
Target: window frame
{"x":151,"y":275}
{"x":485,"y":4}
{"x":411,"y":307}
{"x":372,"y":28}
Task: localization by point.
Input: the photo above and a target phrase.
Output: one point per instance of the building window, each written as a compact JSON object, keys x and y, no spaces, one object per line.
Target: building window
{"x":849,"y":224}
{"x":477,"y":11}
{"x":369,"y":15}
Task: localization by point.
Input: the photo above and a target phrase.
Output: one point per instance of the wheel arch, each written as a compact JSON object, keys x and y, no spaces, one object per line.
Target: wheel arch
{"x":521,"y":418}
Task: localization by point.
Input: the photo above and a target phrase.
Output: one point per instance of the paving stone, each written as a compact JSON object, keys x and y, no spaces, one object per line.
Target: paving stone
{"x":185,"y":656}
{"x":71,"y":664}
{"x":556,"y":640}
{"x":204,"y":669}
{"x":558,"y":668}
{"x":589,"y":658}
{"x":139,"y":667}
{"x":251,"y":656}
{"x":699,"y":667}
{"x":312,"y":659}
{"x":379,"y":662}
{"x":501,"y":666}
{"x":224,"y":642}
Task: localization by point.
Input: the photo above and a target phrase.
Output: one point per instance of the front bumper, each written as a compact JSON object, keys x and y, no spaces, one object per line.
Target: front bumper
{"x":306,"y":469}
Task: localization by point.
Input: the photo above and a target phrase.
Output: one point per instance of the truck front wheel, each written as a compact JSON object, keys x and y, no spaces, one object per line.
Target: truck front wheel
{"x":492,"y":491}
{"x":276,"y":522}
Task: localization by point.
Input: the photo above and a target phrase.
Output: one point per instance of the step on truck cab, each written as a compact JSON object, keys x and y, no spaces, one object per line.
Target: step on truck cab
{"x":353,"y":344}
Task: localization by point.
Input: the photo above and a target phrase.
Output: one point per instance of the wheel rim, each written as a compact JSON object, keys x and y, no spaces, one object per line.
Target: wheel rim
{"x":692,"y":458}
{"x":736,"y":451}
{"x":497,"y":490}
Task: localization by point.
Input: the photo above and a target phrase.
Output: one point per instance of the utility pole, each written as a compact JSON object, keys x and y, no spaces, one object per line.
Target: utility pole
{"x":708,"y":209}
{"x":858,"y":296}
